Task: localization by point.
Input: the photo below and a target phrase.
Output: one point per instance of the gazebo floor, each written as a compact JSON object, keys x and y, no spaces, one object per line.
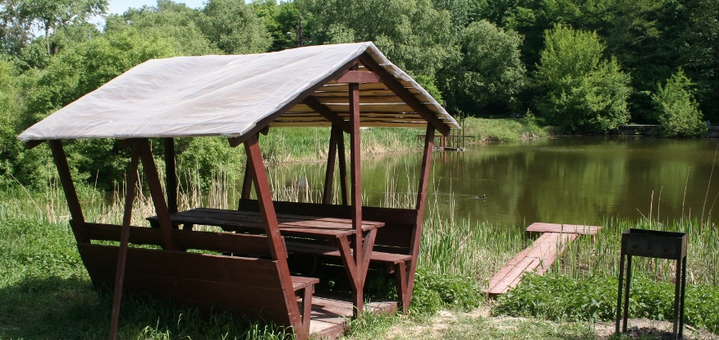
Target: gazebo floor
{"x":331,"y":314}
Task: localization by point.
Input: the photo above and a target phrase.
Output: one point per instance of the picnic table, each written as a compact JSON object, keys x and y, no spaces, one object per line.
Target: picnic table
{"x":336,"y":232}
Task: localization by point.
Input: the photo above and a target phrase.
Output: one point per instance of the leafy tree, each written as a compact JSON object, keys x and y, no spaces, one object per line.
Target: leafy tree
{"x":8,"y":117}
{"x":15,"y":30}
{"x":174,"y":22}
{"x":646,"y":36}
{"x":679,"y":115}
{"x":83,"y":68}
{"x":699,"y":54}
{"x":490,"y":72}
{"x":282,"y":21}
{"x":584,"y":92}
{"x":412,"y":33}
{"x":233,"y":27}
{"x":49,"y":15}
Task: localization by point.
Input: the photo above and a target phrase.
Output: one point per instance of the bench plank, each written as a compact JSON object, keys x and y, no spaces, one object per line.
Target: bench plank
{"x":250,"y":245}
{"x":320,"y":250}
{"x":250,"y":220}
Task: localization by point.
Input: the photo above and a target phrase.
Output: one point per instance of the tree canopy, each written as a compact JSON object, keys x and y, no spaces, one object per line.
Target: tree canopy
{"x":583,"y":91}
{"x":585,"y":66}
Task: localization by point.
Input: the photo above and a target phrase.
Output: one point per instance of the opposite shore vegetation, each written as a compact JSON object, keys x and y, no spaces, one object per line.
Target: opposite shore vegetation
{"x":40,"y":265}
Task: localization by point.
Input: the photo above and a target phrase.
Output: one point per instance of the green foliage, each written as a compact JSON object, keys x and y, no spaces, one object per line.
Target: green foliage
{"x":490,"y":72}
{"x":281,"y":21}
{"x":560,"y":298}
{"x":233,"y":27}
{"x":412,"y":33}
{"x":434,"y":291}
{"x":430,"y":84}
{"x":698,"y":55}
{"x":584,"y":93}
{"x":679,"y":115}
{"x":200,"y":160}
{"x":77,"y":71}
{"x":173,"y":22}
{"x":50,"y":15}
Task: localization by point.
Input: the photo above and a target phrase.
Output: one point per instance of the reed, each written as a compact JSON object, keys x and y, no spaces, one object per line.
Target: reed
{"x":40,"y":264}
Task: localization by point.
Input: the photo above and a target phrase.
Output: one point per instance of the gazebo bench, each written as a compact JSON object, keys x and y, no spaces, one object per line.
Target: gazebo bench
{"x":397,"y":264}
{"x":393,"y":248}
{"x":244,"y":280}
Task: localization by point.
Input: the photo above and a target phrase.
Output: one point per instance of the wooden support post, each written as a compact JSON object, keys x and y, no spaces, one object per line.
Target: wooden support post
{"x":264,"y":198}
{"x":272,"y":229}
{"x":342,"y":159}
{"x":330,"y":171}
{"x":78,"y":219}
{"x":356,"y":201}
{"x":247,"y":181}
{"x":124,"y":241}
{"x":421,"y":203}
{"x":153,"y":181}
{"x":170,"y":174}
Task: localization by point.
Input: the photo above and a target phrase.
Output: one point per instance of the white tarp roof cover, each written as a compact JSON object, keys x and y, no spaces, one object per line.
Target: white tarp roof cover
{"x":228,"y":95}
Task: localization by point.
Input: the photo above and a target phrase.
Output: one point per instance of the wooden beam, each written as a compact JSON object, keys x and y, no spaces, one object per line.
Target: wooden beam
{"x":170,"y":174}
{"x":124,"y":242}
{"x":342,"y":159}
{"x":235,"y":141}
{"x":359,"y":77}
{"x":420,"y":205}
{"x":32,"y":144}
{"x":356,"y":198}
{"x":409,"y":98}
{"x":325,"y":112}
{"x":264,"y":198}
{"x":330,"y":170}
{"x":247,"y":181}
{"x":272,"y":229}
{"x":73,"y":203}
{"x":153,"y":181}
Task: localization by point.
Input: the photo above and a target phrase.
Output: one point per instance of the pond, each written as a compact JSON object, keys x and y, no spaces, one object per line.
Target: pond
{"x":573,"y":180}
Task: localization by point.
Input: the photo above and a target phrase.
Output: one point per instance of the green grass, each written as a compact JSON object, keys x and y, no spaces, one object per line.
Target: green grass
{"x":561,"y":298}
{"x":504,"y":129}
{"x":45,"y":291}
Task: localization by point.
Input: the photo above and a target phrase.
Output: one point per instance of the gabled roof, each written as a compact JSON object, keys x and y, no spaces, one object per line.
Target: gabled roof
{"x":237,"y":95}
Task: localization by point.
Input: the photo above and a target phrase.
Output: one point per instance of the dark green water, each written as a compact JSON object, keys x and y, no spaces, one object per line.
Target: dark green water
{"x":579,"y":180}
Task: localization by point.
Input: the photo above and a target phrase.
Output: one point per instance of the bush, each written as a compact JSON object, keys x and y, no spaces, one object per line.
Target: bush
{"x":679,"y":114}
{"x":557,"y":297}
{"x":584,"y":92}
{"x":434,"y":291}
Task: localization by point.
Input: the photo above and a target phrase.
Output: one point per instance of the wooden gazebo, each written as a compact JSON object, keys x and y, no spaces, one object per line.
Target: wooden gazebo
{"x":248,"y":269}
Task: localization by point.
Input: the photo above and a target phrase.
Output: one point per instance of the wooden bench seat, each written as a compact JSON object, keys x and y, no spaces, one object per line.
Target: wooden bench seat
{"x":391,"y":259}
{"x":397,"y":264}
{"x":239,"y":274}
{"x":393,"y":246}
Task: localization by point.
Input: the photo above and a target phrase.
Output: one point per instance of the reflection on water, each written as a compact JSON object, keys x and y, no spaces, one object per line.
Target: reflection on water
{"x":578,"y":180}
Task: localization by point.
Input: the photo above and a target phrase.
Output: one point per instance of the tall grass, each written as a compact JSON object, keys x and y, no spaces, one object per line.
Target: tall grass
{"x":503,"y":130}
{"x":40,"y":266}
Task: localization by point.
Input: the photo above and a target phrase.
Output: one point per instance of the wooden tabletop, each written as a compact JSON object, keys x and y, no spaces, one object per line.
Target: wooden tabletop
{"x":295,"y":224}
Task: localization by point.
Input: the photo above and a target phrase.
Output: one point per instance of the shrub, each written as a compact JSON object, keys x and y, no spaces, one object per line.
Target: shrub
{"x":584,"y":92}
{"x":558,"y":297}
{"x":435,"y":291}
{"x":679,"y":114}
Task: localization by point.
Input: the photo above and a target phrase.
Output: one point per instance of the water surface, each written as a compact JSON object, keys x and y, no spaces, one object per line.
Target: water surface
{"x":576,"y":180}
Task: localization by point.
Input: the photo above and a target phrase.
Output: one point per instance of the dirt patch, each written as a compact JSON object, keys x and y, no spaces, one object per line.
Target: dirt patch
{"x":638,"y":328}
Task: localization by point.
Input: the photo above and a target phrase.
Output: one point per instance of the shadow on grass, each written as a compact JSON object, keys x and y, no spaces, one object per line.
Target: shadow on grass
{"x":69,"y":308}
